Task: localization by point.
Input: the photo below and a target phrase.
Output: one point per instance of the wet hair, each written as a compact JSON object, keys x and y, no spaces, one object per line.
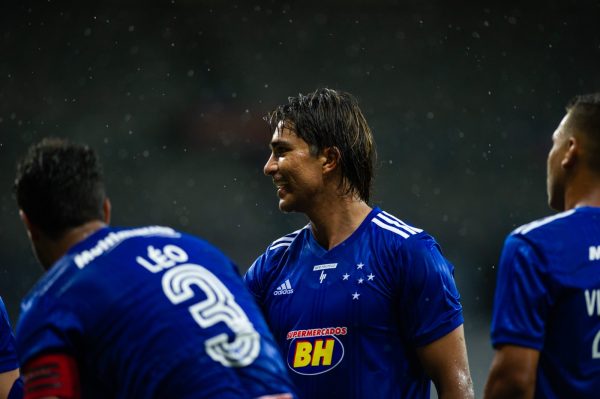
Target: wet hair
{"x":331,"y":118}
{"x":585,"y":118}
{"x":59,"y":185}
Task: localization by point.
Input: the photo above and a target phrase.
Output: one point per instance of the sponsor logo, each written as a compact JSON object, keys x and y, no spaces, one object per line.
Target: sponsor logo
{"x":315,"y":351}
{"x":324,"y":267}
{"x":284,"y":289}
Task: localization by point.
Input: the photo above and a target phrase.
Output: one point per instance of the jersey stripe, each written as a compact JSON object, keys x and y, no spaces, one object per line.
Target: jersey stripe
{"x":415,"y":229}
{"x":398,"y":223}
{"x":286,"y":240}
{"x":538,"y":223}
{"x":390,"y":228}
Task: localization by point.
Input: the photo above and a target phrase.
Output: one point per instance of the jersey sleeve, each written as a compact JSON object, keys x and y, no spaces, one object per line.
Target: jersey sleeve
{"x":431,"y":299}
{"x":8,"y":354}
{"x":57,"y":330}
{"x":522,"y":301}
{"x":253,"y":278}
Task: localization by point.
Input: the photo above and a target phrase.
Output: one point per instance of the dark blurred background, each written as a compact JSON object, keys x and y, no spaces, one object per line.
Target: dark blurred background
{"x":463,"y":100}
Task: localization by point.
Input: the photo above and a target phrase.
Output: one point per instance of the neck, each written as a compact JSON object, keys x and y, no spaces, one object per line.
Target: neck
{"x":51,"y":250}
{"x":584,"y":191}
{"x":335,"y":221}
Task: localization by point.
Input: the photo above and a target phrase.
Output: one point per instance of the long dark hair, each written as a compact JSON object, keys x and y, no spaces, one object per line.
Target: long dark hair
{"x":331,"y":118}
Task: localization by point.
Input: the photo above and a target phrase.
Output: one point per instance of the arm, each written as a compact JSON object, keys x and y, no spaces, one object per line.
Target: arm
{"x":513,"y":373}
{"x":51,"y":376}
{"x":445,"y":361}
{"x":521,"y":306}
{"x":7,"y":379}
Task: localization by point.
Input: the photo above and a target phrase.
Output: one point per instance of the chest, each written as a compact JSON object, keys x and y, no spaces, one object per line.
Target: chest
{"x":314,"y":292}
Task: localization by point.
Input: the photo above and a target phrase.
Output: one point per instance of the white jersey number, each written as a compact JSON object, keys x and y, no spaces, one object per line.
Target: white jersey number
{"x":219,"y":306}
{"x":596,"y":346}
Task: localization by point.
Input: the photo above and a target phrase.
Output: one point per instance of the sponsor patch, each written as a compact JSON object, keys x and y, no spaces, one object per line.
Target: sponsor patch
{"x":315,"y":351}
{"x":324,"y":266}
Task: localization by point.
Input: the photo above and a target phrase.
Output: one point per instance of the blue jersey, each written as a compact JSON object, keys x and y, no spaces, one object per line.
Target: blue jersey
{"x":548,"y":299}
{"x":8,"y":354}
{"x":349,"y":320}
{"x":152,"y":313}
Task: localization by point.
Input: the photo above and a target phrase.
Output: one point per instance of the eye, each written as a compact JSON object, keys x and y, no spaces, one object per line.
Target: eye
{"x":279,"y":151}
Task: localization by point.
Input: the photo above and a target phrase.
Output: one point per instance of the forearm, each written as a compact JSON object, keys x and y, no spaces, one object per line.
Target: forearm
{"x":502,"y":386}
{"x":457,"y":386}
{"x":513,"y":373}
{"x":446,"y":363}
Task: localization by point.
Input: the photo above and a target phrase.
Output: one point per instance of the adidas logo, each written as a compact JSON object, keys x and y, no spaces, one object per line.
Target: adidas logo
{"x":284,"y":289}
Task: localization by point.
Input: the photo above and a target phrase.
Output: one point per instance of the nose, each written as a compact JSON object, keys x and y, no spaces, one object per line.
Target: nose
{"x":271,"y":166}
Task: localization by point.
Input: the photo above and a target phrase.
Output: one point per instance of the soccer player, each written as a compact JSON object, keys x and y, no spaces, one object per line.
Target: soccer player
{"x":362,"y":304}
{"x":145,"y":312}
{"x":10,"y":385}
{"x":546,"y":320}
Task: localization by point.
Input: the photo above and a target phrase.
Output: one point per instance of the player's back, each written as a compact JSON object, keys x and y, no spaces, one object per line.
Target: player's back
{"x":152,"y":313}
{"x":562,"y":275}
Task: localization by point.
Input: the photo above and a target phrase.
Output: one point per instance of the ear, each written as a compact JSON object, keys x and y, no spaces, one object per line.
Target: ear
{"x":107,"y":208}
{"x":32,"y":231}
{"x":571,"y":154}
{"x":331,"y":159}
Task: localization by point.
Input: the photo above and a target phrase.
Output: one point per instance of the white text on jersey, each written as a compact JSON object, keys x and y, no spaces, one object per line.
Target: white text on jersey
{"x":284,"y":289}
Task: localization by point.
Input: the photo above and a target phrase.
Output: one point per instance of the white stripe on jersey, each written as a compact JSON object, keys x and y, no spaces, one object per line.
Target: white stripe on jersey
{"x":399,"y":223}
{"x":284,"y":244}
{"x":416,"y":230}
{"x":526,"y":228}
{"x":388,"y":227}
{"x":286,"y":240}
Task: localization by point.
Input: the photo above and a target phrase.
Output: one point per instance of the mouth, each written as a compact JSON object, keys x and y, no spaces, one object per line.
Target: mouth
{"x":281,"y":188}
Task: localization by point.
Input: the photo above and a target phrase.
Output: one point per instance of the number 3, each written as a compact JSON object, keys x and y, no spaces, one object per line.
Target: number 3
{"x":219,"y":306}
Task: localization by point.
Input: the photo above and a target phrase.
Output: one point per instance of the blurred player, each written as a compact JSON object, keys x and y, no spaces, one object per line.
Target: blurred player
{"x":546,"y":322}
{"x":9,"y":367}
{"x":362,"y":304}
{"x":144,"y":312}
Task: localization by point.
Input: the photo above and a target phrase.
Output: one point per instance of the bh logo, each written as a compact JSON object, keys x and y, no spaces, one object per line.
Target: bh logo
{"x":315,"y":355}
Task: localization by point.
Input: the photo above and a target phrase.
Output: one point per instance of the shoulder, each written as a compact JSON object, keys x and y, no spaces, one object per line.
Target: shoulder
{"x":390,"y":225}
{"x":283,"y":243}
{"x":395,"y":234}
{"x":280,"y":247}
{"x":108,"y":239}
{"x":274,"y":255}
{"x":543,"y":225}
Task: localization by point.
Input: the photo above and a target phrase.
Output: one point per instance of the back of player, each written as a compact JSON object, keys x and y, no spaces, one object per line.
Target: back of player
{"x":548,"y":299}
{"x":150,"y":313}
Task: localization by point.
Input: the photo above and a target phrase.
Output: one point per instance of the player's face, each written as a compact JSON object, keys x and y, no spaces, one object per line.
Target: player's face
{"x":297,"y":174}
{"x":555,"y":181}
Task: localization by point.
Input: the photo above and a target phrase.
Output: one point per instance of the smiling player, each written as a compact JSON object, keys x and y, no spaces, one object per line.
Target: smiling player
{"x":362,"y":304}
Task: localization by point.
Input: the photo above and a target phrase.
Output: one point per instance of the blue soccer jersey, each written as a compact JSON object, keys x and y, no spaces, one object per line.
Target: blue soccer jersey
{"x":152,"y":313}
{"x":548,"y":299}
{"x":349,"y":320}
{"x":8,"y":354}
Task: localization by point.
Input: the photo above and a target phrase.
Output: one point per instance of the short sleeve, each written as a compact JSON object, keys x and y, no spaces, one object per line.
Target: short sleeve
{"x":431,"y":299}
{"x":252,"y":279}
{"x":521,"y":301}
{"x":8,"y":355}
{"x":52,"y":330}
